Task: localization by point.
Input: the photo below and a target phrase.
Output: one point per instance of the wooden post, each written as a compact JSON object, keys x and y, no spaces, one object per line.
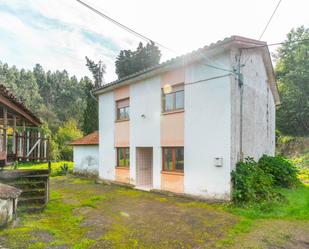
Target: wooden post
{"x":24,"y":140}
{"x":27,"y":142}
{"x":39,"y":146}
{"x":45,"y":147}
{"x":5,"y":124}
{"x":14,"y":136}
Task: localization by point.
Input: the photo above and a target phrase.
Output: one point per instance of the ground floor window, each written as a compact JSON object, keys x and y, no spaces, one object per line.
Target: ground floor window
{"x":123,"y":157}
{"x":173,"y":159}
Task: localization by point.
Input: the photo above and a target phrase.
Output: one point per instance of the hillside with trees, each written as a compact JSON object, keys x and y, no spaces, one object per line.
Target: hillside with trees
{"x":64,"y":103}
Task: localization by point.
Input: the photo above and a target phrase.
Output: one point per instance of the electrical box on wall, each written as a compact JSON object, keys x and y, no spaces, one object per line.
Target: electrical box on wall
{"x":218,"y":161}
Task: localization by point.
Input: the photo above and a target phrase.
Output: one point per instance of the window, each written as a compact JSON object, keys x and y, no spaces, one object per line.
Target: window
{"x":173,"y":159}
{"x":123,"y":109}
{"x":123,"y":157}
{"x":173,"y":100}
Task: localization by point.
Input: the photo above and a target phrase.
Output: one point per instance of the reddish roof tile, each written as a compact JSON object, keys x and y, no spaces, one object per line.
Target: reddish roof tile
{"x":90,"y":139}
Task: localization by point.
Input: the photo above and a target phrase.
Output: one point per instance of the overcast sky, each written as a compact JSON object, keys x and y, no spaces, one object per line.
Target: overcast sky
{"x":58,"y":34}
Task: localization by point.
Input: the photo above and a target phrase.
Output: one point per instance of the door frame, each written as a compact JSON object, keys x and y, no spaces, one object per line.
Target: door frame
{"x":137,"y":165}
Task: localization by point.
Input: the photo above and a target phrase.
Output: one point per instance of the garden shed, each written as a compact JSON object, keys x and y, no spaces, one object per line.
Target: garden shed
{"x":86,"y":154}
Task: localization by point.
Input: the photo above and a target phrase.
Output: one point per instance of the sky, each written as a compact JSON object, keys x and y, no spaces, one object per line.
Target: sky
{"x":58,"y":34}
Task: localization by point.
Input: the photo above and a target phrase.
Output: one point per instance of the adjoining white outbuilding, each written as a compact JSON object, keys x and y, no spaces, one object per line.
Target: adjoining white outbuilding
{"x":86,"y":154}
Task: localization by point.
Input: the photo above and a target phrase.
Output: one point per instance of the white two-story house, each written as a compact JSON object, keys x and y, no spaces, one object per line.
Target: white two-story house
{"x":181,"y":126}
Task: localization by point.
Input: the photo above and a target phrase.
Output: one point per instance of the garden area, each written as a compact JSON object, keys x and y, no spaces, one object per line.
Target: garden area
{"x":85,"y":213}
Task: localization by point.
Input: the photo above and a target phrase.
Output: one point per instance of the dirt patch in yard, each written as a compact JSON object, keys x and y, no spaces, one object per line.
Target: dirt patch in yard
{"x":276,"y":234}
{"x":83,"y":214}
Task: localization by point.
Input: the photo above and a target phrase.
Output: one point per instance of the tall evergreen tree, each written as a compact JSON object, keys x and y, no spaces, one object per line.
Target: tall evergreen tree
{"x":129,"y":62}
{"x":292,"y":71}
{"x":97,"y":70}
{"x":90,"y":117}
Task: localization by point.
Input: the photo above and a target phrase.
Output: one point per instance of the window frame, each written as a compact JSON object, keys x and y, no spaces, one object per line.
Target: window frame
{"x":123,"y":107}
{"x":174,"y":91}
{"x":174,"y":170}
{"x":124,"y":156}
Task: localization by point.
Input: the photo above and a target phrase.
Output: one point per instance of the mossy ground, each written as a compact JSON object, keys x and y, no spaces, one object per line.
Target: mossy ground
{"x":83,"y":214}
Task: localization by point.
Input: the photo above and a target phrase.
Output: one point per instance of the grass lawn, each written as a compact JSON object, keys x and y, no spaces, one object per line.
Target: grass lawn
{"x":55,"y":166}
{"x":83,"y":214}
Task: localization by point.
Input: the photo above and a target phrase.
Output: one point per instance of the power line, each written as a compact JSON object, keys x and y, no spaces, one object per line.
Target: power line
{"x":208,"y":79}
{"x":137,"y":33}
{"x":271,"y":17}
{"x":278,"y":43}
{"x":122,"y":25}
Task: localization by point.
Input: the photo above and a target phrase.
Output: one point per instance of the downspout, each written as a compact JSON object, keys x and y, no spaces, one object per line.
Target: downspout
{"x":241,"y":88}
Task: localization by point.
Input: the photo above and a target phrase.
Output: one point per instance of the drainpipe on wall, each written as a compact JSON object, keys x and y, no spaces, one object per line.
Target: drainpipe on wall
{"x":241,"y":88}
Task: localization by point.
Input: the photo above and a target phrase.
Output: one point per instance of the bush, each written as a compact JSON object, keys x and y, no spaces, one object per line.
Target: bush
{"x":251,"y":183}
{"x":284,"y":173}
{"x":259,"y":181}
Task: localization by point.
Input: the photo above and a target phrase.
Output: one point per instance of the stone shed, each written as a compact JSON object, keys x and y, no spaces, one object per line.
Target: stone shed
{"x":86,"y":154}
{"x":8,"y":203}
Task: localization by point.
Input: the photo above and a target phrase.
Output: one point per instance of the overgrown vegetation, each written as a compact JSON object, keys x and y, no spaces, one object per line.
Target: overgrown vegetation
{"x":258,"y":182}
{"x":57,"y":168}
{"x":283,"y":172}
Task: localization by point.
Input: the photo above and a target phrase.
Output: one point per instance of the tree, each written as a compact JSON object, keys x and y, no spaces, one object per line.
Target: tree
{"x":90,"y":118}
{"x":97,"y":70}
{"x":129,"y":62}
{"x":292,"y":71}
{"x":65,"y":135}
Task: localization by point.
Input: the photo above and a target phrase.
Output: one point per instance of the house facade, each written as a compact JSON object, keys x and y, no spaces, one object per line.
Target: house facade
{"x":182,"y":125}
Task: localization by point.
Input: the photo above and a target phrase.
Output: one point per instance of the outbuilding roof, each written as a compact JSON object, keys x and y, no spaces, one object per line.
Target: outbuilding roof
{"x":8,"y":192}
{"x":90,"y":139}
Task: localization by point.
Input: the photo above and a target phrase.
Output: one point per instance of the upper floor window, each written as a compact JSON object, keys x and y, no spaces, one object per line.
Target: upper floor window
{"x":173,"y":98}
{"x":123,"y":108}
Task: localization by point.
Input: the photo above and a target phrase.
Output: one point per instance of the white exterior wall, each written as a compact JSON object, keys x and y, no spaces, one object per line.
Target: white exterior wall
{"x":207,"y":132}
{"x":258,"y":108}
{"x":86,"y":159}
{"x":145,"y":99}
{"x":107,"y":157}
{"x":211,"y":125}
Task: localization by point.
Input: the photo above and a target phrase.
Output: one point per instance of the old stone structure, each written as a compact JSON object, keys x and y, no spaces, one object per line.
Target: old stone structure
{"x":8,"y":203}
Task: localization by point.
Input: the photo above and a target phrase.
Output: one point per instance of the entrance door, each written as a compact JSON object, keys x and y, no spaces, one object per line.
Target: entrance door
{"x":144,"y":167}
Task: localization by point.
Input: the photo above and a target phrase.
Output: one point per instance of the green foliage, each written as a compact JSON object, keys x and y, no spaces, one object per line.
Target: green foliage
{"x":65,"y":135}
{"x":292,"y":69}
{"x":284,"y":173}
{"x":258,"y":182}
{"x":54,"y":96}
{"x":56,"y":167}
{"x":294,"y":206}
{"x":97,"y":70}
{"x":129,"y":62}
{"x":90,"y":117}
{"x":251,"y":184}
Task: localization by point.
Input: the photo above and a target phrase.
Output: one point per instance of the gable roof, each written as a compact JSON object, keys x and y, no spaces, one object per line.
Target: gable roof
{"x":196,"y":55}
{"x":90,"y":139}
{"x":10,"y":100}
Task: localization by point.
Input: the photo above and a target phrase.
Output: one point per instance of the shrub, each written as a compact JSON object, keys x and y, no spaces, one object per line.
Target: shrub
{"x":284,"y":173}
{"x":251,"y":183}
